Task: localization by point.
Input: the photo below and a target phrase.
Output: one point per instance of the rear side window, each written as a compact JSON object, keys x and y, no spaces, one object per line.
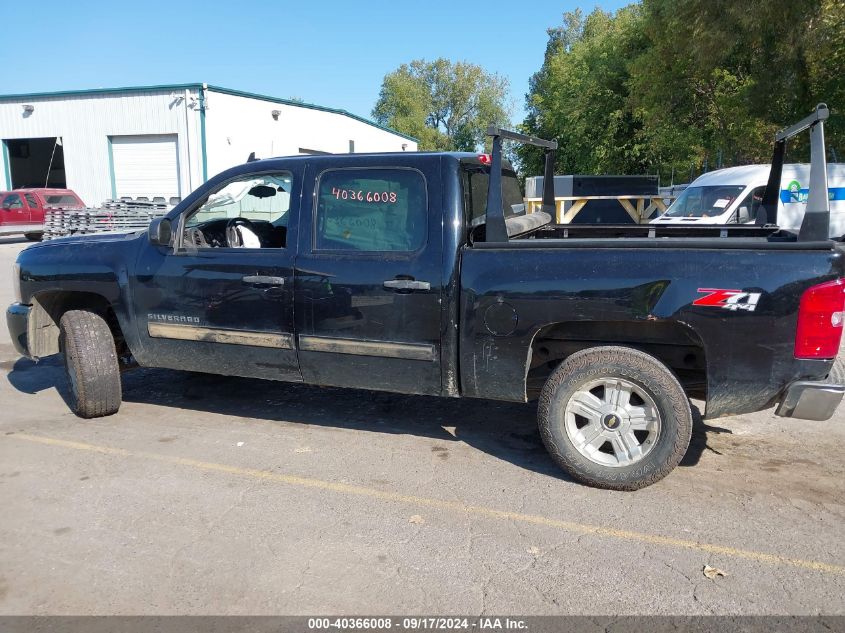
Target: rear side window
{"x":62,"y":200}
{"x":371,"y":210}
{"x":476,"y":181}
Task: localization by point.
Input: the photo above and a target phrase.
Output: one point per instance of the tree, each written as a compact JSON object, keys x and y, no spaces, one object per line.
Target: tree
{"x":728,"y":76}
{"x":445,"y":105}
{"x":678,"y":86}
{"x":580,"y":95}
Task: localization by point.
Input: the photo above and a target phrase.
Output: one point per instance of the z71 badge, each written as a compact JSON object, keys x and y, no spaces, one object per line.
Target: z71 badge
{"x":728,"y":299}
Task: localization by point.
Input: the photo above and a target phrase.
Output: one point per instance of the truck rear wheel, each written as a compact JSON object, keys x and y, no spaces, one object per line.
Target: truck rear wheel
{"x":91,"y":364}
{"x":615,"y":417}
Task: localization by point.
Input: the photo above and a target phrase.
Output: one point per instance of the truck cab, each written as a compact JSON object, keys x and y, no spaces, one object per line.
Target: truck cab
{"x":24,"y":210}
{"x":330,"y":270}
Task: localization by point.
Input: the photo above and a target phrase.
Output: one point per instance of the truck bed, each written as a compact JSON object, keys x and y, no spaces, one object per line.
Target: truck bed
{"x":571,"y":287}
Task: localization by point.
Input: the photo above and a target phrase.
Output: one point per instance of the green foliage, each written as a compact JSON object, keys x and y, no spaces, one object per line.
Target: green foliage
{"x":446,"y":105}
{"x":677,"y":86}
{"x":581,"y":95}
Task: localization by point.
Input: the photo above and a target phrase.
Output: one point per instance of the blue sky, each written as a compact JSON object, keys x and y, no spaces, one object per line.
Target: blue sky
{"x":330,"y":52}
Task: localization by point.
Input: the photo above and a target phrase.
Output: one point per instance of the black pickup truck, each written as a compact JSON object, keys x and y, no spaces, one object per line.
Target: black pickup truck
{"x":420,"y":273}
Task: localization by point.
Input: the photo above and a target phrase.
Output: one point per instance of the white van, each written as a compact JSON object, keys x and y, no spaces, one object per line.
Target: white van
{"x":733,"y":195}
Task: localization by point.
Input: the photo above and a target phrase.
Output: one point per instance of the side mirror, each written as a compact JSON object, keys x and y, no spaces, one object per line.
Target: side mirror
{"x":160,"y":232}
{"x":743,"y":216}
{"x":262,"y":191}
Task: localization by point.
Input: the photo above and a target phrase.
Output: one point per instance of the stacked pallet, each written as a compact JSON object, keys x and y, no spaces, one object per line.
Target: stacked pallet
{"x":112,"y":217}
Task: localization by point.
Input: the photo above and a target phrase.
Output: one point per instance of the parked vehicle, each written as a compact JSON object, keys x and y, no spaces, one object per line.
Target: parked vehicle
{"x":733,"y":196}
{"x":419,"y":273}
{"x":23,"y":210}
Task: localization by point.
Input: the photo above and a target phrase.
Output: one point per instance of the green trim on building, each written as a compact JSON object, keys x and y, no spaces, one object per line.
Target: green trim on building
{"x":7,"y":165}
{"x":203,"y":150}
{"x":199,"y":87}
{"x":111,"y":170}
{"x":90,"y":91}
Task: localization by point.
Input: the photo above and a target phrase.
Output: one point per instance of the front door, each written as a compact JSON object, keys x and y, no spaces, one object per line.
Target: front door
{"x":221,"y":300}
{"x":14,"y":211}
{"x":368,"y":279}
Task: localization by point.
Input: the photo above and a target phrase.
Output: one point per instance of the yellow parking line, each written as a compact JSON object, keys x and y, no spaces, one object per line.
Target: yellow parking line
{"x":440,"y":504}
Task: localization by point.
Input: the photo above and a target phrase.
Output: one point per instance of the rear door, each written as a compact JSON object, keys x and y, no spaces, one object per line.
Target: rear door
{"x":36,"y":209}
{"x":368,"y":273}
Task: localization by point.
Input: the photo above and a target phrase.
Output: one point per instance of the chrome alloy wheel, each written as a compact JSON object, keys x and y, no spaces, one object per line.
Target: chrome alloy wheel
{"x":612,"y":422}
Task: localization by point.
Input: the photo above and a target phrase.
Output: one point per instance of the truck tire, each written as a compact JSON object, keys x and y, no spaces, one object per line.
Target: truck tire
{"x":615,"y":417}
{"x":33,"y":237}
{"x":91,"y":364}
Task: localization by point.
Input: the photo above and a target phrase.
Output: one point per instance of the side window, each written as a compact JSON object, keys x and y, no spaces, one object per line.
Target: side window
{"x":64,"y":200}
{"x":371,"y":210}
{"x":250,"y":212}
{"x":476,"y":181}
{"x":13,"y":201}
{"x":746,"y":211}
{"x":31,"y":201}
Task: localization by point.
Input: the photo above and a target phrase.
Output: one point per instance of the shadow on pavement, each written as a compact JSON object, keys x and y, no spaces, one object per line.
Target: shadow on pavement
{"x":30,"y":377}
{"x":698,"y":442}
{"x":505,"y":430}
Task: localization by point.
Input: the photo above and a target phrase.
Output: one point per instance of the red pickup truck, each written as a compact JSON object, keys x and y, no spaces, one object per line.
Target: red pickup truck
{"x":22,"y":210}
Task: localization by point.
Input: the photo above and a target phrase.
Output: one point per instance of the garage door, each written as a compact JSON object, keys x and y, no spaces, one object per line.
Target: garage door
{"x":146,"y":165}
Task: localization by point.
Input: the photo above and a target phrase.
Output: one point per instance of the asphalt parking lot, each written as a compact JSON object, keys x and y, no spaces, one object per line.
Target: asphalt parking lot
{"x":207,"y":495}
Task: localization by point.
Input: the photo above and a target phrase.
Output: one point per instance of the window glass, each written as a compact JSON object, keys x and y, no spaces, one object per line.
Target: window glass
{"x":13,"y":201}
{"x":30,"y":199}
{"x":704,"y":202}
{"x":257,"y":198}
{"x":476,"y":186}
{"x":250,"y":212}
{"x":751,"y":204}
{"x":371,"y":210}
{"x":63,"y":200}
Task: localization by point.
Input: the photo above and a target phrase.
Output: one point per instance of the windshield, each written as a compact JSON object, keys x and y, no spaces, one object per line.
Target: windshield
{"x":704,"y":202}
{"x":477,"y":180}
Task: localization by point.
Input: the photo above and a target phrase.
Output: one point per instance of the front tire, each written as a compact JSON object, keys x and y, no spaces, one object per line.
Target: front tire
{"x":615,"y":417}
{"x":33,"y":237}
{"x":91,"y":363}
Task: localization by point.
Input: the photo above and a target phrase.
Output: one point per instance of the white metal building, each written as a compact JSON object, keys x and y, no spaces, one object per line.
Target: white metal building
{"x":164,"y":141}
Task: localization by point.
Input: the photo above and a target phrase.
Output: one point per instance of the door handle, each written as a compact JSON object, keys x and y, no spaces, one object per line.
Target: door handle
{"x":263,"y":280}
{"x":406,"y":284}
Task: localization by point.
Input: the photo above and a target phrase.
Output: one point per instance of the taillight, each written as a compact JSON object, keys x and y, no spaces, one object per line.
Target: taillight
{"x":820,"y":321}
{"x":485,"y":159}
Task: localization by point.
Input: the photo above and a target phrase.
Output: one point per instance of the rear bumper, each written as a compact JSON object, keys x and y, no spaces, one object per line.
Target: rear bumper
{"x":808,"y":400}
{"x":17,"y":319}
